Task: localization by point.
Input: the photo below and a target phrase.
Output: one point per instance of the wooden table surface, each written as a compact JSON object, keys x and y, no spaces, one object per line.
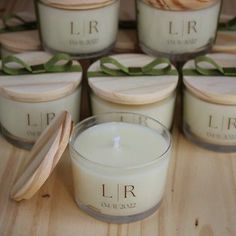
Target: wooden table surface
{"x":200,"y":195}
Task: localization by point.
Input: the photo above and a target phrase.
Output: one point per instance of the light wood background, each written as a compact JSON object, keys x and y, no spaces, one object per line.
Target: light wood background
{"x":200,"y":196}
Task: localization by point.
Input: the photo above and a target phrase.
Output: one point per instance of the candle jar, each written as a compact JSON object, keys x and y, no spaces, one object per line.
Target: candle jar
{"x":152,"y":95}
{"x":209,"y":108}
{"x":178,"y":30}
{"x":29,"y":102}
{"x":114,"y":156}
{"x":81,"y":28}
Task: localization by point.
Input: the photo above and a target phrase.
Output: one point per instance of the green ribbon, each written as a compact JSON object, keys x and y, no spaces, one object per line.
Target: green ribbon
{"x":51,"y":66}
{"x":119,"y":69}
{"x":215,"y":70}
{"x":228,"y":26}
{"x":164,"y":68}
{"x":22,"y":26}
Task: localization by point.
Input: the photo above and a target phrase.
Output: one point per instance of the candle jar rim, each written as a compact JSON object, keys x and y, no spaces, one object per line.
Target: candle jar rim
{"x":183,"y":10}
{"x":164,"y":130}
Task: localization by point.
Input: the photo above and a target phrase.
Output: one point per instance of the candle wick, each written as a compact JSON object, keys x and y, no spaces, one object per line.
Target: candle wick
{"x":116,"y":142}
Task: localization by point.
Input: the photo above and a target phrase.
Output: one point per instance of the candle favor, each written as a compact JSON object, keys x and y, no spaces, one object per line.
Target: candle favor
{"x":177,"y":29}
{"x":81,"y":28}
{"x":134,"y":83}
{"x":30,"y":97}
{"x":114,"y":156}
{"x":209,"y":109}
{"x":119,"y":164}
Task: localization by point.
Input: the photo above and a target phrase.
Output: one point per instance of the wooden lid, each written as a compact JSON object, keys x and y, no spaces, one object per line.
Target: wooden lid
{"x":180,"y":5}
{"x":44,"y":156}
{"x":21,"y":41}
{"x":38,"y":87}
{"x":132,"y":90}
{"x":77,"y":4}
{"x":215,"y":89}
{"x":225,"y":40}
{"x":27,"y":16}
{"x":126,"y":41}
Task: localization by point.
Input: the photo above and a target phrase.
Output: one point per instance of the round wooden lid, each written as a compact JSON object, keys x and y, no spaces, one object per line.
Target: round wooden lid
{"x":215,"y":89}
{"x":225,"y":40}
{"x":180,"y":5}
{"x":77,"y":4}
{"x":21,"y":41}
{"x":126,"y":41}
{"x":38,"y":87}
{"x":132,"y":90}
{"x":44,"y":156}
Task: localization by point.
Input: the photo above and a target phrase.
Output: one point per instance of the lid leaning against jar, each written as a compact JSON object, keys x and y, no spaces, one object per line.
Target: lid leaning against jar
{"x":39,"y":87}
{"x":219,"y":87}
{"x":77,"y":4}
{"x":147,"y":80}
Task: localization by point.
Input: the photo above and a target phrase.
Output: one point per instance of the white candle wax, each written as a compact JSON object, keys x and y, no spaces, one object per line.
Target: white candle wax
{"x":119,"y":169}
{"x":79,"y":32}
{"x":176,"y":31}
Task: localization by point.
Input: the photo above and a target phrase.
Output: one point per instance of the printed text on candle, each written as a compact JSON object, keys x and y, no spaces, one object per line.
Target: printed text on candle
{"x":118,"y":195}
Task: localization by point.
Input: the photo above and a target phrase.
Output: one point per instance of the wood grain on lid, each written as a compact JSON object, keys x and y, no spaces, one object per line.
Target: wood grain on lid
{"x":181,"y":5}
{"x":44,"y":156}
{"x":225,"y":40}
{"x":21,"y":41}
{"x":77,"y":4}
{"x":38,"y":87}
{"x":132,"y":90}
{"x":215,"y":89}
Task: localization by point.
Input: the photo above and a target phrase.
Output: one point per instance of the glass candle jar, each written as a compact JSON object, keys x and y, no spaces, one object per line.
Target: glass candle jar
{"x":29,"y":102}
{"x":178,"y":30}
{"x":114,"y":156}
{"x":152,"y":95}
{"x":209,"y":108}
{"x":81,"y":28}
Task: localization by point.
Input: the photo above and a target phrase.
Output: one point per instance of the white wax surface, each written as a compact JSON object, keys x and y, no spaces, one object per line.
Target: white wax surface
{"x":136,"y":144}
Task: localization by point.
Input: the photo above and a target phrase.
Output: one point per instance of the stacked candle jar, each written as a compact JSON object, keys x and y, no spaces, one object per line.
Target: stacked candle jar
{"x":81,"y":28}
{"x":177,"y":29}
